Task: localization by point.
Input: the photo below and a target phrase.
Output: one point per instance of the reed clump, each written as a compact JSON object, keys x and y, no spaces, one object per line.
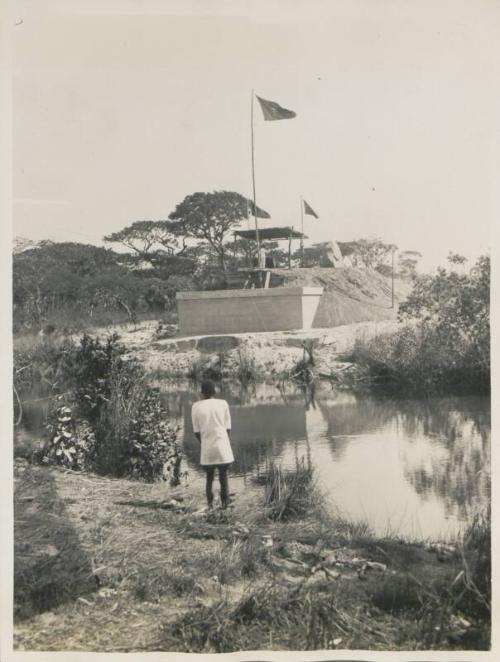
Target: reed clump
{"x":289,"y":494}
{"x":246,"y":369}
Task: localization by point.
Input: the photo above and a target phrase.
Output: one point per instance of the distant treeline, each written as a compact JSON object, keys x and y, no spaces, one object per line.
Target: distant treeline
{"x":63,"y":284}
{"x":67,"y":284}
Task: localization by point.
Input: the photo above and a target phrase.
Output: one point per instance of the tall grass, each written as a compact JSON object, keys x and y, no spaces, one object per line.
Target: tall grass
{"x":274,"y":617}
{"x":39,"y":362}
{"x":417,"y":603}
{"x":288,"y":494}
{"x":246,"y":369}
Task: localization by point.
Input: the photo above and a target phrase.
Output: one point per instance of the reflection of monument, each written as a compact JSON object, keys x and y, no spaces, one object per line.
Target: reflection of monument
{"x":347,"y":416}
{"x":258,"y":431}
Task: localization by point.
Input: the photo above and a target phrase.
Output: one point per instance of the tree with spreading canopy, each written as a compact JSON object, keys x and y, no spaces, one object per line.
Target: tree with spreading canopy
{"x":372,"y":252}
{"x":143,"y":237}
{"x":210,"y":217}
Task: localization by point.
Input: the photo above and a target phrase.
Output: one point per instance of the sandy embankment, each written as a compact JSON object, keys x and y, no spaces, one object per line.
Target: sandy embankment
{"x":272,"y":353}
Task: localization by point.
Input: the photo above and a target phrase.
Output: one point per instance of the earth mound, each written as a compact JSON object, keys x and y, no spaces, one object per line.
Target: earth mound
{"x":349,"y":294}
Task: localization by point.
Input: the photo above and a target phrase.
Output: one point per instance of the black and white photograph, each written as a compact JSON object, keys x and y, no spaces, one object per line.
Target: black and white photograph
{"x":248,"y":355}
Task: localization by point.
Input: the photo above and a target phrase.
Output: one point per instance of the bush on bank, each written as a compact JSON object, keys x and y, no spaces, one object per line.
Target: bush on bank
{"x":111,"y":421}
{"x":446,"y":343}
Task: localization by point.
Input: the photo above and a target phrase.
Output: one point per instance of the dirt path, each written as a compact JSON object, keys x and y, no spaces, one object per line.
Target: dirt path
{"x":107,"y":562}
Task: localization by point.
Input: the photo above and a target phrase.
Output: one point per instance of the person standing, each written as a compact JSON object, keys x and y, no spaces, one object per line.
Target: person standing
{"x":262,"y":258}
{"x":212,"y":427}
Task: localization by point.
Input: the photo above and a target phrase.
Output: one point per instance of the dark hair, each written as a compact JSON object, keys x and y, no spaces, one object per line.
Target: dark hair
{"x":208,"y":388}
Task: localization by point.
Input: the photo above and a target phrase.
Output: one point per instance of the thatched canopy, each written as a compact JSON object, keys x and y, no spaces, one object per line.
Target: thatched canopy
{"x":267,"y":234}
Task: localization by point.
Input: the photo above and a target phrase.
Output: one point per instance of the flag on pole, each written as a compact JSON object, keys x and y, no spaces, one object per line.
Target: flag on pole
{"x":309,"y":210}
{"x":259,"y":213}
{"x":273,"y":111}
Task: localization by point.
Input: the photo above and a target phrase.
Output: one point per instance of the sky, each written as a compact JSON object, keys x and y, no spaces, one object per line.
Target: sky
{"x":122,"y":108}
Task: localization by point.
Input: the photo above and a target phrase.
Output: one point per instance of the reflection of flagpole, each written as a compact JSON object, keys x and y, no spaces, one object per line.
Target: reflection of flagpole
{"x":302,"y":232}
{"x":253,"y":181}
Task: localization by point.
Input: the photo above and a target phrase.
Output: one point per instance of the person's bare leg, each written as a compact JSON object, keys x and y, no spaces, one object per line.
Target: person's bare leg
{"x":210,"y":471}
{"x":224,"y":485}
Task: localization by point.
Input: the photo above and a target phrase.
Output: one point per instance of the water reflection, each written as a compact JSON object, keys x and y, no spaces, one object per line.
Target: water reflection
{"x":259,"y":430}
{"x":458,"y":469}
{"x":417,"y":467}
{"x":420,"y":467}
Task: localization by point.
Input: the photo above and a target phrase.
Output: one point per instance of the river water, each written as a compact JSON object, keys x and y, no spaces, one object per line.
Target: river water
{"x":413,"y":467}
{"x":418,"y":468}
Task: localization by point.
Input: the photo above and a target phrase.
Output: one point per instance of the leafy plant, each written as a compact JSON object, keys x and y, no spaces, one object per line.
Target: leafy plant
{"x":112,"y":422}
{"x":70,"y":444}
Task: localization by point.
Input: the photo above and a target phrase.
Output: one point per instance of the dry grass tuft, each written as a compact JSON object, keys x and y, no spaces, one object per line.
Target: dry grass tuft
{"x":289,"y":493}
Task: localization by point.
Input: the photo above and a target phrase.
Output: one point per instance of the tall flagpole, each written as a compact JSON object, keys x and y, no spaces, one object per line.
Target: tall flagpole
{"x":302,"y":232}
{"x":392,"y":278}
{"x":253,"y":183}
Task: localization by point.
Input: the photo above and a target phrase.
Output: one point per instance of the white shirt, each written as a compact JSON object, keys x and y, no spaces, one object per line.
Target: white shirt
{"x":211,"y":418}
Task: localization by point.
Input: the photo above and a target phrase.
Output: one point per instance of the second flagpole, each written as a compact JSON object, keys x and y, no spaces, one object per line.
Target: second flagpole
{"x":253,"y":182}
{"x":301,"y":231}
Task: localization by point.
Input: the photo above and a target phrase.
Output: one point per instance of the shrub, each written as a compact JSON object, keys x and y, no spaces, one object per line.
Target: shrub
{"x":113,"y":422}
{"x":165,"y":330}
{"x":446,"y":343}
{"x":88,"y":370}
{"x":134,"y":438}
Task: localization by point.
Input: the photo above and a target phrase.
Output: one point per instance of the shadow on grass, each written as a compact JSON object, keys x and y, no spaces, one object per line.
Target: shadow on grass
{"x":154,"y":505}
{"x":50,"y":565}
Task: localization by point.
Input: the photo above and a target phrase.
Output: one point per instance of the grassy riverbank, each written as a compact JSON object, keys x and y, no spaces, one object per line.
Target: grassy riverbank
{"x":114,"y":565}
{"x":259,"y":357}
{"x":106,"y":564}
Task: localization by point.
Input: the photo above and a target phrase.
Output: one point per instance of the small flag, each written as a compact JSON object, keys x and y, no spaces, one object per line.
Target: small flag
{"x":309,"y":210}
{"x":259,"y":213}
{"x":273,"y":111}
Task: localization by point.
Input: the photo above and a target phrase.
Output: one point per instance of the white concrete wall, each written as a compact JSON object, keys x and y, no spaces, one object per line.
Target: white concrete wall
{"x":240,"y":311}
